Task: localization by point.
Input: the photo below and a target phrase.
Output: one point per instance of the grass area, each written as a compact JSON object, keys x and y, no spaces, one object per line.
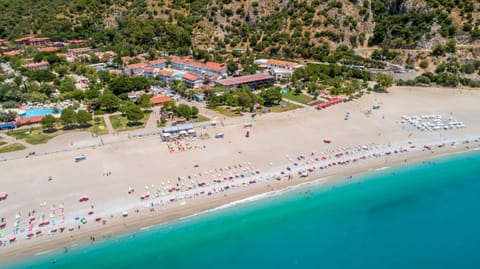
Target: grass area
{"x":119,"y":122}
{"x":3,"y":143}
{"x":301,"y":98}
{"x":284,"y":106}
{"x":37,"y":136}
{"x":229,"y":112}
{"x":12,"y":147}
{"x":100,"y":129}
{"x":202,"y":118}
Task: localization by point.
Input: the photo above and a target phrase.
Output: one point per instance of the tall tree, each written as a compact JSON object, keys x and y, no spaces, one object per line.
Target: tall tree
{"x":48,"y":122}
{"x":83,"y":117}
{"x":68,"y":117}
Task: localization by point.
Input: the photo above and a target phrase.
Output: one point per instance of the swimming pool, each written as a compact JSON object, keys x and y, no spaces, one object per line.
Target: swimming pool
{"x":38,"y":112}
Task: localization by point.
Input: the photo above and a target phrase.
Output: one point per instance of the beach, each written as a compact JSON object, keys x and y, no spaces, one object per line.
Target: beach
{"x":277,"y":142}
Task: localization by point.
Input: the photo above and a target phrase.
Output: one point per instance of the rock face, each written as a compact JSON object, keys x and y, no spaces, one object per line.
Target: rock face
{"x":406,"y":6}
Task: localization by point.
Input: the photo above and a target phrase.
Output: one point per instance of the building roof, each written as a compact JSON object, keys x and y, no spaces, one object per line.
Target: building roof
{"x":166,"y":73}
{"x":281,"y":63}
{"x":191,"y":77}
{"x":149,"y":69}
{"x":39,"y":64}
{"x":208,"y":65}
{"x":48,"y":49}
{"x":23,"y":121}
{"x":3,"y":41}
{"x":157,"y":61}
{"x":76,"y":41}
{"x":80,"y":49}
{"x":13,"y":52}
{"x":138,"y":65}
{"x":160,"y":99}
{"x":243,"y":79}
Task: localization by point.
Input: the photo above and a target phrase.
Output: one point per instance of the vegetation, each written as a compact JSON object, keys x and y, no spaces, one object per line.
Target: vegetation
{"x":12,"y":147}
{"x":122,"y":123}
{"x":300,"y":97}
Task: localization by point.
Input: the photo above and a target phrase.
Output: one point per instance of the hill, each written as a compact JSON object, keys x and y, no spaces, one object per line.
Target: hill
{"x":293,"y":29}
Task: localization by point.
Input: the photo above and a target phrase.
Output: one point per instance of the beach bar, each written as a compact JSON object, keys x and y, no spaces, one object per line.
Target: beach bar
{"x":178,"y":128}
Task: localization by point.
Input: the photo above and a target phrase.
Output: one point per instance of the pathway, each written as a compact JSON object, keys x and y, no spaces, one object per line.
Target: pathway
{"x":296,"y":103}
{"x":11,"y":140}
{"x":108,"y":124}
{"x":154,"y":117}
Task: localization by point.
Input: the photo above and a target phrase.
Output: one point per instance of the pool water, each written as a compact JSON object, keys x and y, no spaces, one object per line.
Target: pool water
{"x":38,"y":112}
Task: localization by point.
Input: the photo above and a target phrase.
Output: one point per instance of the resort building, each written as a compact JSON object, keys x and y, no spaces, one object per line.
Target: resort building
{"x":48,"y":49}
{"x":192,"y":81}
{"x":145,"y":68}
{"x":37,"y":66}
{"x":33,"y":41}
{"x":278,"y":68}
{"x":166,"y":75}
{"x":160,"y":100}
{"x":78,"y":51}
{"x":13,"y":52}
{"x":253,"y":81}
{"x":199,"y":68}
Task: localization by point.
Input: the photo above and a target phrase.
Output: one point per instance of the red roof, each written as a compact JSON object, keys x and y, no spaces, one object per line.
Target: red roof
{"x":167,"y":73}
{"x":157,"y":61}
{"x":244,"y":79}
{"x":208,"y":65}
{"x":34,"y":65}
{"x":23,"y":121}
{"x":281,"y":63}
{"x":160,"y":99}
{"x":190,"y":77}
{"x":48,"y":49}
{"x":13,"y":52}
{"x":131,"y":66}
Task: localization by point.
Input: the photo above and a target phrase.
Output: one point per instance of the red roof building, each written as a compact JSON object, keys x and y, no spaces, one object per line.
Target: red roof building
{"x":37,"y":66}
{"x":160,"y":100}
{"x":29,"y":120}
{"x":33,"y":41}
{"x":196,"y":67}
{"x":48,"y":49}
{"x":78,"y":51}
{"x":13,"y":53}
{"x":192,"y":81}
{"x":253,"y":81}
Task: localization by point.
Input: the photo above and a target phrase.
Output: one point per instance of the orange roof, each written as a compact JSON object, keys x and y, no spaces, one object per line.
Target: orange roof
{"x":160,"y":99}
{"x":13,"y":52}
{"x":167,"y":73}
{"x":130,"y":66}
{"x":79,"y":49}
{"x":157,"y":61}
{"x":190,"y":77}
{"x":33,"y":65}
{"x":208,"y":65}
{"x":3,"y":41}
{"x":48,"y":49}
{"x":23,"y":121}
{"x":77,"y":41}
{"x":148,"y":69}
{"x":281,"y":63}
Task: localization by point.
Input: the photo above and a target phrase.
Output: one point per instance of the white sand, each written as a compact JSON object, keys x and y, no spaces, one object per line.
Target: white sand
{"x":142,"y":162}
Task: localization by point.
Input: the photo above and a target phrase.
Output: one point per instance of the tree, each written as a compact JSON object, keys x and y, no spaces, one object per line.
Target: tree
{"x":384,"y":81}
{"x":184,"y":110}
{"x":244,"y":100}
{"x":438,"y":50}
{"x":144,"y":101}
{"x":83,"y":117}
{"x":232,"y":67}
{"x":451,"y":46}
{"x":68,"y":117}
{"x":271,"y":96}
{"x":134,"y":113}
{"x":67,"y":85}
{"x":8,"y":116}
{"x":194,"y":111}
{"x":48,"y":122}
{"x":109,"y":102}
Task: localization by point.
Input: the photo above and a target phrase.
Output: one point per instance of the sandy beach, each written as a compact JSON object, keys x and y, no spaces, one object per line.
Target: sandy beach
{"x":215,"y":172}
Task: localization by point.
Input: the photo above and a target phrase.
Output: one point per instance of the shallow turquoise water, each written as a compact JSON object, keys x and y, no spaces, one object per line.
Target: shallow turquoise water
{"x":38,"y":112}
{"x":420,"y":216}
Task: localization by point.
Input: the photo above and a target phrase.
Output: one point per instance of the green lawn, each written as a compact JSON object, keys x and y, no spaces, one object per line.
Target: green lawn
{"x":301,"y":98}
{"x":37,"y":136}
{"x":285,"y":106}
{"x":12,"y":147}
{"x":3,"y":143}
{"x":229,"y":112}
{"x":119,"y":122}
{"x":100,"y":129}
{"x":201,"y":118}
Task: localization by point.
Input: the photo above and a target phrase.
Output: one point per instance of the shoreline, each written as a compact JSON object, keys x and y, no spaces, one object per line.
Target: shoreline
{"x":216,"y":173}
{"x":176,"y":212}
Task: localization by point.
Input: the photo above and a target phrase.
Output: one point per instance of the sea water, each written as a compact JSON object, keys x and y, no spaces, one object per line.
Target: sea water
{"x":425,"y":215}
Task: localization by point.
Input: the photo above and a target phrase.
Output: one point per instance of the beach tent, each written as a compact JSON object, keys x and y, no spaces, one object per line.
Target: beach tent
{"x":3,"y":195}
{"x":83,"y":198}
{"x":327,"y":140}
{"x":178,"y":128}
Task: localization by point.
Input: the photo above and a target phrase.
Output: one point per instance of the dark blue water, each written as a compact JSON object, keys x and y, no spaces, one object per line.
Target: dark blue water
{"x":419,"y":216}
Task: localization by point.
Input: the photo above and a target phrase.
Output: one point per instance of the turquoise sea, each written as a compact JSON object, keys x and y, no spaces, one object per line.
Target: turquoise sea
{"x":425,"y":215}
